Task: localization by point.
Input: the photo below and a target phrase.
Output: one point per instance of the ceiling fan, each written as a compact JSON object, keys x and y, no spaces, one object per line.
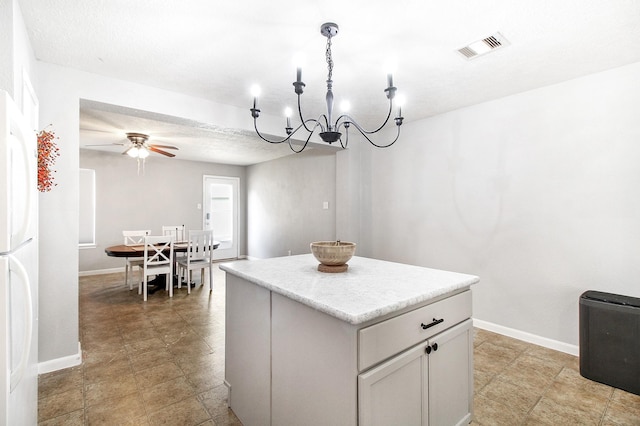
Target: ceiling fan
{"x":139,"y":148}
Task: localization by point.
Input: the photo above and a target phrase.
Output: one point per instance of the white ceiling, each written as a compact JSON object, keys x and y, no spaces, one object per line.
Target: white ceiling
{"x":217,"y":50}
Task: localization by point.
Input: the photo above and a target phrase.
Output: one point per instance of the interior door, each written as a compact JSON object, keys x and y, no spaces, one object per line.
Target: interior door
{"x":220,"y":213}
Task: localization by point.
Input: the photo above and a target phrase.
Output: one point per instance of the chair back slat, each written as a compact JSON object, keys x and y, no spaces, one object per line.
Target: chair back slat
{"x":158,"y":250}
{"x":134,"y":238}
{"x":198,"y":256}
{"x":200,"y":245}
{"x":158,"y":260}
{"x":177,"y":231}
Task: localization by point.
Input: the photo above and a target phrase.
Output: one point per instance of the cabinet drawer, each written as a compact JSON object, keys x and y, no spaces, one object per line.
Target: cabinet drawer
{"x":387,"y":338}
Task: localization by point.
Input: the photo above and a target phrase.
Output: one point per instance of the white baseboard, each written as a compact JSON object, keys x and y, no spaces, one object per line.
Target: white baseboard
{"x":101,"y":272}
{"x":528,"y":337}
{"x":61,"y":363}
{"x":241,"y":257}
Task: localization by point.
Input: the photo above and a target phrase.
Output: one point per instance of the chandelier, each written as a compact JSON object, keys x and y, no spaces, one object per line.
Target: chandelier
{"x":328,"y":130}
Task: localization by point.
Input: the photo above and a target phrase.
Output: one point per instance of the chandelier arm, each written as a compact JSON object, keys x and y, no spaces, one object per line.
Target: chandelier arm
{"x":344,"y":118}
{"x":346,"y":132}
{"x":290,"y":136}
{"x":348,"y":118}
{"x":304,"y":122}
{"x":365,"y":133}
{"x":386,"y":119}
{"x":300,"y":114}
{"x":255,"y":125}
{"x":306,"y":142}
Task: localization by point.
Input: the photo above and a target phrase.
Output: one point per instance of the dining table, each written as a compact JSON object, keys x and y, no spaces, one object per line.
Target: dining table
{"x":137,"y":250}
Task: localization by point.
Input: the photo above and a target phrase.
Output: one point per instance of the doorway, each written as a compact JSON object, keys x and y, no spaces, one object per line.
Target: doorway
{"x":220,"y":213}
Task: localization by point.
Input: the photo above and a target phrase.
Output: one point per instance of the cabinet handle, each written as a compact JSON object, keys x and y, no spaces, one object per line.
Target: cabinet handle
{"x":431,"y":324}
{"x":433,"y":348}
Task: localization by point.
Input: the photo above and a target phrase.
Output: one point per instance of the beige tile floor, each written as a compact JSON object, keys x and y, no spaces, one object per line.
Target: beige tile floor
{"x":162,"y":362}
{"x":517,"y":383}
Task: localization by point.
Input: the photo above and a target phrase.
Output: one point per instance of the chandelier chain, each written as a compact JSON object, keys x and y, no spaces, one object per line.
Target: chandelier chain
{"x":329,"y":58}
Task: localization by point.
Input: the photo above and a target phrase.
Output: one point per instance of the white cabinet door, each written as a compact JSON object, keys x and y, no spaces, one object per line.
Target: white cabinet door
{"x":395,"y":393}
{"x":247,"y":351}
{"x":428,"y":384}
{"x":451,"y":376}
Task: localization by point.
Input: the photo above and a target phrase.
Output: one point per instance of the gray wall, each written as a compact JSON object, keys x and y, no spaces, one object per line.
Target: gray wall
{"x":285,"y":203}
{"x":166,"y":194}
{"x":536,"y":193}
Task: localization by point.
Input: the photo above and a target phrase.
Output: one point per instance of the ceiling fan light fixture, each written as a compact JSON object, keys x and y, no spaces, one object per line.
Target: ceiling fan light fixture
{"x":143,"y":152}
{"x":133,"y":152}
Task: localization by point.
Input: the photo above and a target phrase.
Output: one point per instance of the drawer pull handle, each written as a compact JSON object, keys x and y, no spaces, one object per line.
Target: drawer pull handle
{"x":431,"y":324}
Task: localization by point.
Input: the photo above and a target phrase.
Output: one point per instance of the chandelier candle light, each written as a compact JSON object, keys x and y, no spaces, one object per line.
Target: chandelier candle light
{"x":329,"y":131}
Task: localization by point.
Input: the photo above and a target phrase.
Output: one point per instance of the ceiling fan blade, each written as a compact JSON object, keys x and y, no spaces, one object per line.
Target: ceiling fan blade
{"x":159,"y":151}
{"x":164,"y":146}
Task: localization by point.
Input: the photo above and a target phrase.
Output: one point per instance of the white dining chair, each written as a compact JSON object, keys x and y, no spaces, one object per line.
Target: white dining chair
{"x":133,"y":238}
{"x":177,"y":231}
{"x":198,"y":256}
{"x":158,"y":260}
{"x":179,"y":235}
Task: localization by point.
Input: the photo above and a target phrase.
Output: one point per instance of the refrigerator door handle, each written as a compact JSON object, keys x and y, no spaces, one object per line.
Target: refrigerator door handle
{"x":26,"y":219}
{"x":16,"y":375}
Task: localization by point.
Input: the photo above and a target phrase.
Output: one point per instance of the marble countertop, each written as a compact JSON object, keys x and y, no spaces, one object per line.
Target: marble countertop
{"x":367,"y":290}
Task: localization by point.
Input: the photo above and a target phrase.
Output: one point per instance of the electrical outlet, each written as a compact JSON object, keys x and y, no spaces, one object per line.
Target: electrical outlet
{"x":325,"y":205}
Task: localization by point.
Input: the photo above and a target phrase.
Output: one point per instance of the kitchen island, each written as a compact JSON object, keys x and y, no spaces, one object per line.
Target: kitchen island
{"x":382,"y":341}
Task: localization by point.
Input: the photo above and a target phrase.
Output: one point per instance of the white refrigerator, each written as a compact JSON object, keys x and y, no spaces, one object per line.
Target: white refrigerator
{"x":18,"y":268}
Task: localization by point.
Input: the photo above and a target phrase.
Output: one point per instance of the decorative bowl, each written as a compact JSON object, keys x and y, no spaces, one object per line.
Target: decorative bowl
{"x":333,"y":253}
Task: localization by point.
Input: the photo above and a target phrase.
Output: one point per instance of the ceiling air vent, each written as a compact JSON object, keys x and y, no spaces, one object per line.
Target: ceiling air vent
{"x":484,"y":46}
